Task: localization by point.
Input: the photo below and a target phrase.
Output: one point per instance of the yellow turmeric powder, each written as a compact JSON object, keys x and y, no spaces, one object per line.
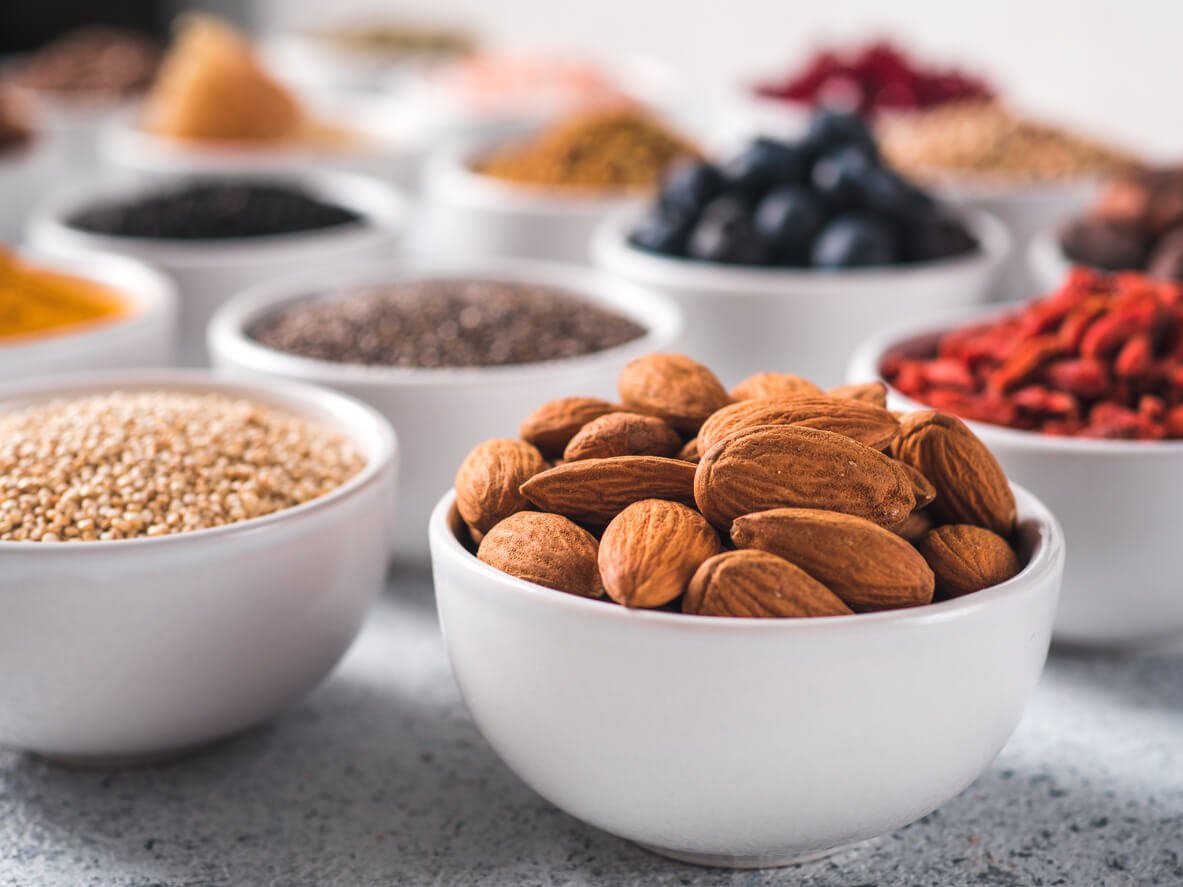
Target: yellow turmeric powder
{"x":36,"y":301}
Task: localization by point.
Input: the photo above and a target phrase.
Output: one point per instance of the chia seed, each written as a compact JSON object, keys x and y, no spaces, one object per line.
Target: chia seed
{"x":444,"y":323}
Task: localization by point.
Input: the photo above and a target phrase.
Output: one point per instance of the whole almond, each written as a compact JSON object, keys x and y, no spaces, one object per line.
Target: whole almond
{"x":971,"y":487}
{"x":869,"y":567}
{"x":489,"y":481}
{"x":546,"y":549}
{"x":922,"y":487}
{"x":864,"y":422}
{"x":672,"y":387}
{"x":689,"y":451}
{"x":651,"y":549}
{"x":867,"y":392}
{"x":773,"y":385}
{"x":593,"y":491}
{"x":623,"y":434}
{"x":915,"y":527}
{"x":754,"y":583}
{"x":554,"y":423}
{"x":965,"y":558}
{"x":773,"y":466}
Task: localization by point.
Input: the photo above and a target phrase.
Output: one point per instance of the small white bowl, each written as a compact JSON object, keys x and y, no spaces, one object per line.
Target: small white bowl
{"x":25,"y":172}
{"x":1118,"y":502}
{"x":208,"y":272}
{"x":74,"y":124}
{"x":142,"y":648}
{"x":745,"y":742}
{"x":469,"y":213}
{"x":745,"y":320}
{"x":1047,"y":263}
{"x":144,"y":336}
{"x":441,"y":414}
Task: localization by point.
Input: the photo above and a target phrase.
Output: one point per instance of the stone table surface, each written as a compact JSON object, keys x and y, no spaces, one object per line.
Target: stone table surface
{"x":379,"y":777}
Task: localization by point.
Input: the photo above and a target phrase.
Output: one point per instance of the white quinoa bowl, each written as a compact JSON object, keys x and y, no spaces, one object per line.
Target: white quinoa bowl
{"x":1117,"y":500}
{"x":208,"y":272}
{"x":144,"y":335}
{"x":745,"y":742}
{"x":442,"y":413}
{"x":742,"y":320}
{"x":112,"y":651}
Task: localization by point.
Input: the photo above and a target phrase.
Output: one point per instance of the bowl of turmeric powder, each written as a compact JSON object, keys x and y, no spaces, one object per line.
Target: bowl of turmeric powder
{"x":60,"y":315}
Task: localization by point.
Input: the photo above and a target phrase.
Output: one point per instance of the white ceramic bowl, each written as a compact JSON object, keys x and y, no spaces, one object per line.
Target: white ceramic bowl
{"x":146,"y":647}
{"x":441,"y":414}
{"x":74,"y":125}
{"x":1118,"y":502}
{"x":208,"y":272}
{"x":1047,"y":262}
{"x":24,"y":173}
{"x":144,"y":336}
{"x":745,"y":742}
{"x":745,"y":320}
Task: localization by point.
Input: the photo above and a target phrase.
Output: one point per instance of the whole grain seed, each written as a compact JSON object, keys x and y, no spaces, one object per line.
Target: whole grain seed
{"x":444,"y":323}
{"x":132,"y":464}
{"x":91,"y":63}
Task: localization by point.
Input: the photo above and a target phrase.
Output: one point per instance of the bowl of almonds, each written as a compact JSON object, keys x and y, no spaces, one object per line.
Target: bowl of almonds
{"x":743,"y":628}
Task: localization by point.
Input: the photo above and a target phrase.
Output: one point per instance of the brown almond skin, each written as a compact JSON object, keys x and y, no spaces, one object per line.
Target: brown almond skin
{"x":554,"y":423}
{"x":868,"y":424}
{"x":773,"y":385}
{"x":672,"y":387}
{"x":489,"y":481}
{"x":774,"y":466}
{"x":965,"y":558}
{"x":546,"y":549}
{"x":867,"y":392}
{"x":623,"y":434}
{"x":651,"y":549}
{"x":971,"y":487}
{"x":593,"y":491}
{"x":922,"y":487}
{"x":689,"y":451}
{"x":868,"y":567}
{"x":756,"y":584}
{"x":915,"y":527}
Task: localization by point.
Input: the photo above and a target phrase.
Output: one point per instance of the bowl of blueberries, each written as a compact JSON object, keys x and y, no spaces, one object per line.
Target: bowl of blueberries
{"x":788,"y":255}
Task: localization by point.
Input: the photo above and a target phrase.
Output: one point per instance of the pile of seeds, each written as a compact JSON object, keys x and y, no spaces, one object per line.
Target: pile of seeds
{"x":15,"y":131}
{"x":215,"y":210}
{"x":93,"y":62}
{"x":444,"y":323}
{"x":126,"y":465}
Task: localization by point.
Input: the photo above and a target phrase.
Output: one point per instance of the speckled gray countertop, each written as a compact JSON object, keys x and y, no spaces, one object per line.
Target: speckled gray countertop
{"x":379,"y":777}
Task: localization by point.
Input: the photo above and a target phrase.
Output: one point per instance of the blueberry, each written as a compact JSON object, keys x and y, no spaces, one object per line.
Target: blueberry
{"x":788,"y":218}
{"x":856,"y":240}
{"x":938,"y":237}
{"x":689,"y":186}
{"x":725,"y":233}
{"x":890,"y":194}
{"x":765,"y":163}
{"x":830,"y":130}
{"x":663,"y":233}
{"x":838,"y":178}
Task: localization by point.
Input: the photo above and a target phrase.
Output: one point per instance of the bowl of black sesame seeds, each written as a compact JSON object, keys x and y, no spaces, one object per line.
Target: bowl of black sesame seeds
{"x":215,"y":235}
{"x":450,"y":351}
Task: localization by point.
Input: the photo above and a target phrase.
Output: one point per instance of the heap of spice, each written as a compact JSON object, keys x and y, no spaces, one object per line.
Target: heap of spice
{"x":873,"y":78}
{"x":215,"y":210}
{"x":36,"y":301}
{"x":128,"y":464}
{"x":91,"y":64}
{"x":444,"y":323}
{"x":1135,"y":225}
{"x":15,"y":131}
{"x":1101,"y":357}
{"x":613,"y":148}
{"x":772,"y":500}
{"x":986,"y":142}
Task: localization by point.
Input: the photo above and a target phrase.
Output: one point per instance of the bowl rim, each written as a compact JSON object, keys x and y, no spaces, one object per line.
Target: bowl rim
{"x":382,"y":208}
{"x":1046,"y":557}
{"x":364,"y":426}
{"x":866,"y":359}
{"x":612,"y":251}
{"x":231,"y":346}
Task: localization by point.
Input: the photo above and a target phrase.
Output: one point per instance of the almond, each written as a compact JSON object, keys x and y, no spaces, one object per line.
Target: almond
{"x":869,"y":567}
{"x":554,"y":423}
{"x":594,"y":491}
{"x":971,"y":487}
{"x":922,"y":487}
{"x":771,"y":466}
{"x":689,"y":451}
{"x":864,"y":422}
{"x":546,"y":549}
{"x":966,"y":558}
{"x":651,"y":549}
{"x":757,"y":584}
{"x":489,"y":481}
{"x":672,"y":387}
{"x":868,"y":392}
{"x":915,"y":527}
{"x":623,"y":434}
{"x":773,"y":385}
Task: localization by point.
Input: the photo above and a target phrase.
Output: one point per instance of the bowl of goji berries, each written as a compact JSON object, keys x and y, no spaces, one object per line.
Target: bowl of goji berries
{"x":1079,"y":394}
